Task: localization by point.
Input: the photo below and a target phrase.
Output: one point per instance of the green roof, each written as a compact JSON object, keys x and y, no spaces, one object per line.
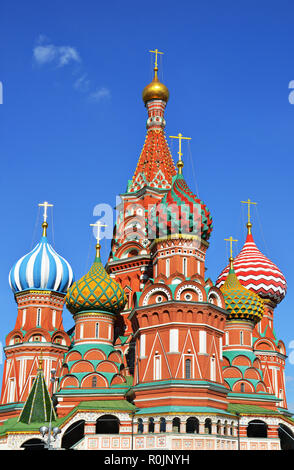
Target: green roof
{"x":248,"y":409}
{"x":38,"y":406}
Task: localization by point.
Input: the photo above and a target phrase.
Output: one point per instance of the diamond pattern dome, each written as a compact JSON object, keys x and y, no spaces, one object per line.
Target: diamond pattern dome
{"x":96,"y":291}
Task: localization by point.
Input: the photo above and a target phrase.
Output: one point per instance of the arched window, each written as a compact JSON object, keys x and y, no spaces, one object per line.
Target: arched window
{"x":242,"y":387}
{"x":162,"y":427}
{"x":73,"y":434}
{"x":97,"y":330}
{"x":188,"y":368}
{"x":192,"y":425}
{"x":218,"y":427}
{"x":207,"y":426}
{"x":94,"y":382}
{"x":241,"y":337}
{"x":140,"y":425}
{"x":257,"y":428}
{"x":107,"y":424}
{"x":176,"y":425}
{"x":151,"y":425}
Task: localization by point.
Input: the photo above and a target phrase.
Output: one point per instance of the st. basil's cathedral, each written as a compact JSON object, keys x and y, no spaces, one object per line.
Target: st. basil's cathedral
{"x":159,"y":355}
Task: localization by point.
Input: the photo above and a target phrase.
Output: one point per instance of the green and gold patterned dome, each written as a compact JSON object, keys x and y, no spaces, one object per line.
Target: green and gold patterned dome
{"x":96,"y":291}
{"x":241,"y":302}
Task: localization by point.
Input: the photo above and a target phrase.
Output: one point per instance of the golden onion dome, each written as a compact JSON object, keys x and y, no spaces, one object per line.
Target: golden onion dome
{"x":240,"y":302}
{"x":96,"y":291}
{"x":155,"y":90}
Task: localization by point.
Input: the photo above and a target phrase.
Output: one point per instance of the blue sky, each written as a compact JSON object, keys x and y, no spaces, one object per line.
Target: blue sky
{"x":72,"y":122}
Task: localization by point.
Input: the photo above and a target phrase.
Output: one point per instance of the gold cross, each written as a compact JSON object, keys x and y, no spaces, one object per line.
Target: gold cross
{"x":231,"y":240}
{"x":180,"y":137}
{"x":248,"y":202}
{"x":98,"y":225}
{"x":45,"y":205}
{"x":156,"y":52}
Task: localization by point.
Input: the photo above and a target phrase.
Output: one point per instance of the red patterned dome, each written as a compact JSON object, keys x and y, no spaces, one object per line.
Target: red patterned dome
{"x":257,"y":273}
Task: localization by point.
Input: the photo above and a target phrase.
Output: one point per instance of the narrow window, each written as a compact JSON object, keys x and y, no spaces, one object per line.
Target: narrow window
{"x":167,"y":270}
{"x":53,"y":318}
{"x":185,"y":267}
{"x":24,"y":315}
{"x":174,"y":341}
{"x":38,"y":317}
{"x":142,"y":345}
{"x":188,"y":368}
{"x":212,"y":369}
{"x":241,"y":337}
{"x":202,"y":342}
{"x":94,"y":382}
{"x":81,"y":330}
{"x":242,"y":388}
{"x":157,"y":367}
{"x":221,"y":349}
{"x":227,"y":338}
{"x":97,"y":330}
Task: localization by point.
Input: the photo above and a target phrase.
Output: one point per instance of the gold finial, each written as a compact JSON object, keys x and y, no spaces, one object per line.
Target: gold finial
{"x":231,"y":259}
{"x":98,"y":246}
{"x":45,"y":204}
{"x":156,"y":52}
{"x":40,"y":366}
{"x":249,"y":224}
{"x":180,"y":163}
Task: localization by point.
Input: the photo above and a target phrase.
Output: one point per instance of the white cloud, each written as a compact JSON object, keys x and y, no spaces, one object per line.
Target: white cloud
{"x":82,"y":83}
{"x":49,"y":53}
{"x":100,"y":94}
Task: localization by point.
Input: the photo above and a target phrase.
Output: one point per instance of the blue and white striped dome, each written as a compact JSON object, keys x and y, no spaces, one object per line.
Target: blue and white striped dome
{"x":42,"y":269}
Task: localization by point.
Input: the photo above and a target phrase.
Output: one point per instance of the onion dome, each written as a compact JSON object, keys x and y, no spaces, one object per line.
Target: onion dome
{"x":180,"y":212}
{"x":96,"y":291}
{"x":256,"y":272}
{"x":240,"y":302}
{"x":155,"y":90}
{"x":42,"y":268}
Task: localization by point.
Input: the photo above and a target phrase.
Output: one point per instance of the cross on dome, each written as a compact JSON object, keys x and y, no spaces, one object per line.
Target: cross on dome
{"x":98,"y":225}
{"x":180,"y":163}
{"x":249,"y":224}
{"x":45,"y":204}
{"x":231,"y":240}
{"x":156,"y":52}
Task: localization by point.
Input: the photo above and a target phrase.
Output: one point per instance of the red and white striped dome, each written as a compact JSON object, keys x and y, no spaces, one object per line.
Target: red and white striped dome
{"x":257,"y":273}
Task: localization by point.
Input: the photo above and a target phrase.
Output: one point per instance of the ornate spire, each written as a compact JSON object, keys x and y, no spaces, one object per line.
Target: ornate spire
{"x":155,"y":168}
{"x":39,"y":407}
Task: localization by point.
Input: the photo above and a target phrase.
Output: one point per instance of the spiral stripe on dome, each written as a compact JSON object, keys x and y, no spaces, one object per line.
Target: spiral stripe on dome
{"x":42,"y":268}
{"x":257,"y":273}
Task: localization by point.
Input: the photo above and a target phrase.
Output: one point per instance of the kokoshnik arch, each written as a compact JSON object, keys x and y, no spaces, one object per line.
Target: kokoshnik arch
{"x":159,"y":356}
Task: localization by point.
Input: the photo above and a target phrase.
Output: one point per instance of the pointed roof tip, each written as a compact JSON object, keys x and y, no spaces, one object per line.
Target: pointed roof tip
{"x":38,"y":407}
